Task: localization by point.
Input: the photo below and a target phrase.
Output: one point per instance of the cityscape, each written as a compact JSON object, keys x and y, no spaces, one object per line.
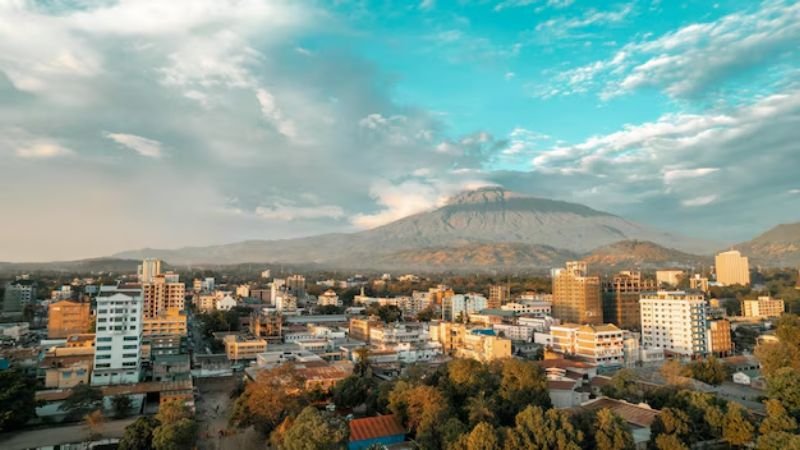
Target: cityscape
{"x":386,"y":225}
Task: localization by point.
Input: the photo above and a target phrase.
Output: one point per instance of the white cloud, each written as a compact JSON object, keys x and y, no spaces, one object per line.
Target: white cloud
{"x":674,"y":175}
{"x":700,"y":201}
{"x":42,"y":150}
{"x":427,"y":4}
{"x":688,"y":61}
{"x":145,"y":147}
{"x":509,"y":75}
{"x":561,"y":26}
{"x":288,"y":212}
{"x":275,"y":115}
{"x":794,"y":191}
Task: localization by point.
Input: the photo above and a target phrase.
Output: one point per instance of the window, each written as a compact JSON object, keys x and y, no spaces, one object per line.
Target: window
{"x":102,"y":365}
{"x":129,"y":347}
{"x":132,"y":327}
{"x":130,"y":355}
{"x":129,"y":364}
{"x":103,"y":356}
{"x":103,"y":347}
{"x":101,"y":328}
{"x":102,"y":319}
{"x":131,"y":338}
{"x":104,"y":339}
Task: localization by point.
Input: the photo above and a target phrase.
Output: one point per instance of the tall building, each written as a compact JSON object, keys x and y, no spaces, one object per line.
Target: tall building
{"x":67,"y":317}
{"x":675,"y":321}
{"x":18,"y":294}
{"x":296,"y":285}
{"x":459,"y":307}
{"x":499,"y":295}
{"x":576,"y":295}
{"x":118,"y":337}
{"x":719,"y":337}
{"x":164,"y":293}
{"x":764,"y":306}
{"x":148,"y":270}
{"x":621,"y":299}
{"x":598,"y":344}
{"x":698,"y":282}
{"x":732,"y":268}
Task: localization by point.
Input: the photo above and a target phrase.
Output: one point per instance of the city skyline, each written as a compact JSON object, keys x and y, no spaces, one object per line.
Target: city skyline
{"x":166,"y":124}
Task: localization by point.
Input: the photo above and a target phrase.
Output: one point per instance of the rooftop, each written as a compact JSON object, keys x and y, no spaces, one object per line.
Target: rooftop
{"x":638,"y":415}
{"x":375,"y":427}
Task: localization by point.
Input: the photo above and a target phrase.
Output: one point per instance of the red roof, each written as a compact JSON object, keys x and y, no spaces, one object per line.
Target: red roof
{"x":375,"y":427}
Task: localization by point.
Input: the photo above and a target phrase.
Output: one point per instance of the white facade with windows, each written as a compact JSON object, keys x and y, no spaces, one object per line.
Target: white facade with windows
{"x":118,"y":338}
{"x":463,"y":305}
{"x":675,"y":321}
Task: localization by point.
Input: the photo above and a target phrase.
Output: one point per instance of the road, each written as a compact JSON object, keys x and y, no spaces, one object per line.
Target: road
{"x":56,"y":435}
{"x":213,"y":409}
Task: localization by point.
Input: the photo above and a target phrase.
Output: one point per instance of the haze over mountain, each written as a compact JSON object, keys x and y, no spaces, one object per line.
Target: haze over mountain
{"x":543,"y":230}
{"x":777,"y":246}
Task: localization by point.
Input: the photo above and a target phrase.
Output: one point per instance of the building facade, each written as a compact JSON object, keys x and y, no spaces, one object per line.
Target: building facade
{"x":499,"y":294}
{"x":118,"y":338}
{"x":576,"y":295}
{"x":764,"y":306}
{"x":68,"y":317}
{"x":675,"y":321}
{"x":621,"y":299}
{"x":719,"y":337}
{"x":164,"y":293}
{"x":732,"y":268}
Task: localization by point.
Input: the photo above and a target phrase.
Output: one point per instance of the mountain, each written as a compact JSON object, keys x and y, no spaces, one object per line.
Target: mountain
{"x":469,"y":224}
{"x":642,"y":254}
{"x":94,"y":265}
{"x":779,"y":246}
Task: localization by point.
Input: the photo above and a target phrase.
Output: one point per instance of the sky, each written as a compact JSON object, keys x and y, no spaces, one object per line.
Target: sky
{"x":149,"y":123}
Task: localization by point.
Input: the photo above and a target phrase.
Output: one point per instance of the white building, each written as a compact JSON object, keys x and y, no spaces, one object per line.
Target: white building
{"x":394,"y":334}
{"x":226,"y":303}
{"x":597,"y":344}
{"x":463,"y":305}
{"x":118,"y":338}
{"x":267,"y":274}
{"x":148,"y":269}
{"x":329,"y":298}
{"x":15,"y":330}
{"x":243,"y":290}
{"x":675,"y":321}
{"x":530,"y":307}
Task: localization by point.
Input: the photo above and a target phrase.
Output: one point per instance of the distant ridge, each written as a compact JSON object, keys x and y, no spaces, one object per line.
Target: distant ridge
{"x":523,"y":229}
{"x":779,"y":246}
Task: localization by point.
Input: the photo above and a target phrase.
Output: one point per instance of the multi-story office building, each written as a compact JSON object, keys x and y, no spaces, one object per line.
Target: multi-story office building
{"x":164,"y":293}
{"x":329,"y":298}
{"x":719,"y":337}
{"x":360,"y":328}
{"x":499,"y":294}
{"x":475,"y":343}
{"x":530,"y":308}
{"x":18,"y":294}
{"x":598,"y":344}
{"x":698,"y":283}
{"x":459,"y":307}
{"x":764,"y":306}
{"x":675,"y":321}
{"x":621,"y":299}
{"x":266,"y":324}
{"x":239,"y":347}
{"x":118,"y":337}
{"x":669,"y":277}
{"x":169,"y":323}
{"x":296,"y":285}
{"x":148,"y":270}
{"x":732,"y":268}
{"x":576,"y":295}
{"x":388,"y":335}
{"x":68,"y":317}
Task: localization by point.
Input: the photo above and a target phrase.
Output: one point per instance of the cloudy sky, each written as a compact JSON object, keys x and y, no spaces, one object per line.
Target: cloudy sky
{"x":151,"y":123}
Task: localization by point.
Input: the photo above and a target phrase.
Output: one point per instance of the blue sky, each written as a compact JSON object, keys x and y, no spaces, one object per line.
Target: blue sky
{"x":126,"y":124}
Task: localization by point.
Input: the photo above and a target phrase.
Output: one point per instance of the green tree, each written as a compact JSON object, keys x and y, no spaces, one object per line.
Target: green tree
{"x":95,"y":423}
{"x":313,"y":429}
{"x":17,"y":399}
{"x":623,"y":385}
{"x":353,"y":391}
{"x":82,"y":400}
{"x":539,"y":430}
{"x":139,"y":434}
{"x":611,"y":432}
{"x":778,"y":419}
{"x":785,"y":352}
{"x":173,"y":411}
{"x":451,"y":430}
{"x":178,"y":435}
{"x":784,"y":385}
{"x":483,"y":437}
{"x":480,"y":408}
{"x":673,"y":422}
{"x":121,"y":406}
{"x":710,"y":371}
{"x":737,"y":430}
{"x":522,"y":383}
{"x":267,"y":401}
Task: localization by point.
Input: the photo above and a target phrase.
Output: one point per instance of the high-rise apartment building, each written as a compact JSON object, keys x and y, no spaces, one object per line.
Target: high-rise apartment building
{"x":576,"y":295}
{"x":67,"y":317}
{"x":499,"y":294}
{"x":621,"y":299}
{"x":459,"y":307}
{"x":164,"y":293}
{"x":675,"y":321}
{"x":719,"y":337}
{"x":118,"y":337}
{"x":18,"y":294}
{"x":764,"y":306}
{"x":732,"y":268}
{"x":698,"y":282}
{"x":148,"y":270}
{"x":296,"y":285}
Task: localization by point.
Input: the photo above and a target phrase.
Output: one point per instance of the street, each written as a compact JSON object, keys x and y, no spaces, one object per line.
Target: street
{"x":56,"y":435}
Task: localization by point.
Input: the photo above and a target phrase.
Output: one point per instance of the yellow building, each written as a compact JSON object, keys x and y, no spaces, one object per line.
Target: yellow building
{"x":699,"y":283}
{"x":171,"y":322}
{"x":360,"y":329}
{"x":239,"y":347}
{"x":68,"y":317}
{"x":732,"y":268}
{"x":621,"y":299}
{"x":499,"y":294}
{"x":764,"y":306}
{"x":669,"y":277}
{"x":464,"y":342}
{"x":576,"y":295}
{"x":602,"y":344}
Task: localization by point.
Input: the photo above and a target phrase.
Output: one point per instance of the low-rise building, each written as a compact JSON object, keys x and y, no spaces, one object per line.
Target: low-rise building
{"x":238,"y":347}
{"x":68,"y":317}
{"x":171,"y":322}
{"x":529,"y":307}
{"x":602,"y":345}
{"x":329,"y":298}
{"x":764,"y":306}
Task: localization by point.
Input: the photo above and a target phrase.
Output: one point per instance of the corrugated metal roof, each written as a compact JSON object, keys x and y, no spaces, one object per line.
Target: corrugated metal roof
{"x":375,"y":427}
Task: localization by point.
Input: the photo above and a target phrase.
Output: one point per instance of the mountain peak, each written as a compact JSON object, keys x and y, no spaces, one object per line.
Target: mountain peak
{"x":488,"y":194}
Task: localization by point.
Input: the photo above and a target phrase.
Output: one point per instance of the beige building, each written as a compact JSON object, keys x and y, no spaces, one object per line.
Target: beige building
{"x":464,"y":342}
{"x":699,"y":283}
{"x":171,"y":322}
{"x":65,"y":372}
{"x":360,"y":328}
{"x":669,"y":277}
{"x":149,"y":269}
{"x":499,"y":294}
{"x":719,"y":337}
{"x":68,"y":317}
{"x":602,"y":345}
{"x":239,"y":347}
{"x":205,"y":303}
{"x":268,"y":325}
{"x":764,"y":306}
{"x":576,"y":295}
{"x":621,"y":299}
{"x":329,"y":298}
{"x":164,"y":293}
{"x":732,"y":268}
{"x":675,"y":321}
